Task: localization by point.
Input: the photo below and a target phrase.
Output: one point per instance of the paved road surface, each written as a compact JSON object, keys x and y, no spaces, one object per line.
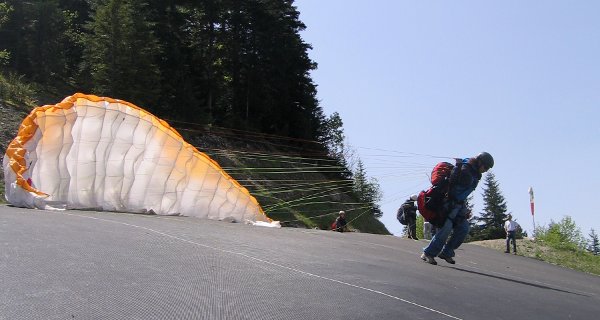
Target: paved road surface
{"x":101,"y":265}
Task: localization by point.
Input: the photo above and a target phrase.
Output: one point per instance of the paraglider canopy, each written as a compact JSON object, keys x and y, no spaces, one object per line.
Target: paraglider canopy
{"x":108,"y":154}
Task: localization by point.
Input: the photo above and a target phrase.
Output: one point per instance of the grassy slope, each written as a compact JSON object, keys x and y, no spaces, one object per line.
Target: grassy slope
{"x":577,"y":260}
{"x":295,"y":207}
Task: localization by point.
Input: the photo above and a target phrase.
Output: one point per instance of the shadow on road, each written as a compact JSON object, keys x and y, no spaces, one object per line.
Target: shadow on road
{"x":519,"y":281}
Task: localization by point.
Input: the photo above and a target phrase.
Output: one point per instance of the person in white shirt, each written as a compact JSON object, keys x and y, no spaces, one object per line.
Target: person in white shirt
{"x":511,"y":228}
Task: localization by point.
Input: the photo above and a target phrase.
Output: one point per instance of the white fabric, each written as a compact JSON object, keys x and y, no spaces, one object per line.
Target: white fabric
{"x":272,"y":224}
{"x":110,"y":156}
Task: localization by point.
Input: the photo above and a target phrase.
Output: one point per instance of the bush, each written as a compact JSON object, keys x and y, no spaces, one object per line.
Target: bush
{"x":562,"y":235}
{"x":15,"y":91}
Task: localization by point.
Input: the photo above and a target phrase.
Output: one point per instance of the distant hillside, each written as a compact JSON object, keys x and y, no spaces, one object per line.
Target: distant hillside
{"x":293,"y":186}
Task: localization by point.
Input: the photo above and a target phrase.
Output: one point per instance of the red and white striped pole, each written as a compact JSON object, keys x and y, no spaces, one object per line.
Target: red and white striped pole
{"x":532,"y":208}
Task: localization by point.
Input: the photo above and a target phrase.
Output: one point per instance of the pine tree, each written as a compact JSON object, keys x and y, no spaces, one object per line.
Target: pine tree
{"x":475,"y":229}
{"x":75,"y":15}
{"x":34,"y":36}
{"x":367,"y":190}
{"x":333,"y":136}
{"x":594,"y":244}
{"x":492,"y":219}
{"x":194,"y":83}
{"x":122,"y":52}
{"x":5,"y":10}
{"x":45,"y":50}
{"x":14,"y":26}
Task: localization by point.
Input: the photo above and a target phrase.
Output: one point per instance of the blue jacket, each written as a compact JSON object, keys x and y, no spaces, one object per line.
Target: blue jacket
{"x":464,"y":180}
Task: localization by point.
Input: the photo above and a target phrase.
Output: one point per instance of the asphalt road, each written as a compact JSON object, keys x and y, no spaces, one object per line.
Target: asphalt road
{"x":102,"y":265}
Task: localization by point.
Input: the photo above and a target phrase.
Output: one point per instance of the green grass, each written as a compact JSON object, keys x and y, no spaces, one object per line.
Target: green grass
{"x":575,"y":259}
{"x":16,"y":92}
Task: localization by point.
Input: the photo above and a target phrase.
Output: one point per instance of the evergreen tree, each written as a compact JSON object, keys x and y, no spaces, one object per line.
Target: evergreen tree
{"x":491,"y":220}
{"x":333,"y":136}
{"x":43,"y":39}
{"x":30,"y":34}
{"x":37,"y":36}
{"x":360,"y":185}
{"x":474,"y":228}
{"x":267,"y":68}
{"x":46,"y":50}
{"x":594,"y":244}
{"x":470,"y":206}
{"x":75,"y":15}
{"x":195,"y":81}
{"x":239,"y":64}
{"x":122,"y":52}
{"x":13,"y":32}
{"x":5,"y":10}
{"x":367,"y":190}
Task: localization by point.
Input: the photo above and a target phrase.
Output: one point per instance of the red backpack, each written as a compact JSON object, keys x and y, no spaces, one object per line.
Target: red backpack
{"x":441,"y":173}
{"x":431,"y":201}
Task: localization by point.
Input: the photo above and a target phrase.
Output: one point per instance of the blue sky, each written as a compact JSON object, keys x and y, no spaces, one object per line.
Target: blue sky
{"x":418,"y":81}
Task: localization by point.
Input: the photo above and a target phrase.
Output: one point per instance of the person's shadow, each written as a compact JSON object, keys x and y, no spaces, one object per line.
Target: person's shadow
{"x":517,"y":281}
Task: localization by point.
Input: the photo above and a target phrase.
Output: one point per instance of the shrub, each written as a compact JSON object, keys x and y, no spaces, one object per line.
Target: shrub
{"x":17,"y":92}
{"x":561,"y":235}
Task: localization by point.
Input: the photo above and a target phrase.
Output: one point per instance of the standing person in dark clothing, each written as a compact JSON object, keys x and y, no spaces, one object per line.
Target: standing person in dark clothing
{"x":409,"y":210}
{"x":341,"y":223}
{"x":463,"y":180}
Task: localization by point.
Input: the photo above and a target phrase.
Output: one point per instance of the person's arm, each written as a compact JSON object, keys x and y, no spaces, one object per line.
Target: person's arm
{"x":465,"y":179}
{"x":345,"y":225}
{"x":462,"y":184}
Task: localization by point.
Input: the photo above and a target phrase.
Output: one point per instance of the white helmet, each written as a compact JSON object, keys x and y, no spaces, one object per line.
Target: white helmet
{"x":413,"y":197}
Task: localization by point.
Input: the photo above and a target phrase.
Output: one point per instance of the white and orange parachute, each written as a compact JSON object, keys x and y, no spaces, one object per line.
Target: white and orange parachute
{"x":90,"y":152}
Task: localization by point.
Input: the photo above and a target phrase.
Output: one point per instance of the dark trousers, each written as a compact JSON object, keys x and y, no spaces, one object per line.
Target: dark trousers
{"x":411,"y":225}
{"x":510,"y":235}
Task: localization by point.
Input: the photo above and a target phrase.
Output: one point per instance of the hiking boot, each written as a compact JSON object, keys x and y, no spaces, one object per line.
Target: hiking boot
{"x":428,"y":259}
{"x":506,"y":251}
{"x":447,"y":258}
